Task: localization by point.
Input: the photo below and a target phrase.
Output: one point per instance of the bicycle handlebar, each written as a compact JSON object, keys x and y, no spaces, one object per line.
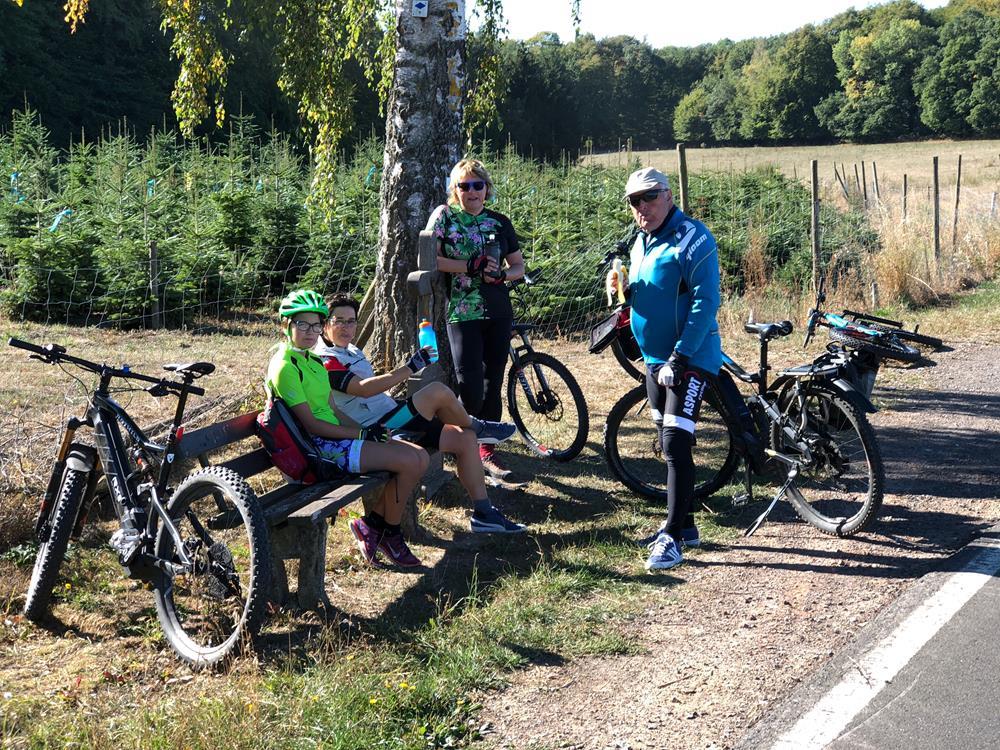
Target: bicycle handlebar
{"x":52,"y":353}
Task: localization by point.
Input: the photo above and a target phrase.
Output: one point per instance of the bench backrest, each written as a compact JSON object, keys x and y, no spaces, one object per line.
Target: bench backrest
{"x":199,"y":444}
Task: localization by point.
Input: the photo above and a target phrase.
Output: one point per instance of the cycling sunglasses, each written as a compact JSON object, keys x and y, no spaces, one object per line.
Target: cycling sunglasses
{"x":467,"y":186}
{"x":648,"y":197}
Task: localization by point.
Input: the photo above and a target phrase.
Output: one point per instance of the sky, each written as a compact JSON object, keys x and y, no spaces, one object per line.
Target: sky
{"x":665,"y":23}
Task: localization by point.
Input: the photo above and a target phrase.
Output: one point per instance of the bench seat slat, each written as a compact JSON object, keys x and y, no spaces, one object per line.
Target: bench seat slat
{"x":249,"y":464}
{"x":341,"y":495}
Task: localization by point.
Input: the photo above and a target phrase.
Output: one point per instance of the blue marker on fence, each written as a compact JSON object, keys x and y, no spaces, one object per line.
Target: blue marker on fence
{"x":64,"y":214}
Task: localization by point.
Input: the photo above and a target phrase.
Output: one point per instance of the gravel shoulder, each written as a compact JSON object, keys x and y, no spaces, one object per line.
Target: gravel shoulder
{"x":752,"y":618}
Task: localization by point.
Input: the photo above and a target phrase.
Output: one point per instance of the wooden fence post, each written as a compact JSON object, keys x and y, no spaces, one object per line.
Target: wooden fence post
{"x":878,"y":195}
{"x":904,"y":196}
{"x":857,"y":178}
{"x":843,"y":185}
{"x":814,"y":165}
{"x":993,"y":205}
{"x":682,"y":170}
{"x":864,"y":184}
{"x":937,"y":215}
{"x":958,"y":190}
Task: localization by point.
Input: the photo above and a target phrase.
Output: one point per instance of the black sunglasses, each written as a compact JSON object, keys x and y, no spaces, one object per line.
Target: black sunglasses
{"x":466,"y":186}
{"x":648,"y":197}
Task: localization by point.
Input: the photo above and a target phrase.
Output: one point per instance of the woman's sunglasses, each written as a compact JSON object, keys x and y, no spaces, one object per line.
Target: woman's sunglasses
{"x":648,"y":197}
{"x":467,"y":186}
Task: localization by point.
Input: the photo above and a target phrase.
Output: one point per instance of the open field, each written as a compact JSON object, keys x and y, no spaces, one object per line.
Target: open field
{"x":980,"y":160}
{"x":422,"y":660}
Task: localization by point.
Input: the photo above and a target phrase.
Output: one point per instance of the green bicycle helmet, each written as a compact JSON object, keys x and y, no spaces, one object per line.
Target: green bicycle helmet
{"x":302,"y":301}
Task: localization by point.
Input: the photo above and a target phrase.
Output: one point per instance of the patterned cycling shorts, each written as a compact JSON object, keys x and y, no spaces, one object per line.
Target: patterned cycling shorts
{"x":345,"y":453}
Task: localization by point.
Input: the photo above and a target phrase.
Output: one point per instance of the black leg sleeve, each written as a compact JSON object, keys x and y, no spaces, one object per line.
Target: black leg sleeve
{"x":680,"y":479}
{"x":466,"y":339}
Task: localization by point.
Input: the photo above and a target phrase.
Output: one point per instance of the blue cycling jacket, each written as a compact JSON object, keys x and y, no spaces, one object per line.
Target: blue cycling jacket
{"x":674,"y":288}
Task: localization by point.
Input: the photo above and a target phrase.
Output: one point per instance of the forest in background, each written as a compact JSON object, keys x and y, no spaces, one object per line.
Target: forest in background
{"x":895,"y":71}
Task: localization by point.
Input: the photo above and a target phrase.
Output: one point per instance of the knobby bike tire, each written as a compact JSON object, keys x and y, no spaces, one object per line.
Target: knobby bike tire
{"x":840,"y":491}
{"x":632,"y":447}
{"x":634,"y":367}
{"x":902,"y":334}
{"x":558,"y":430}
{"x":215,"y":613}
{"x":62,"y":519}
{"x":885,"y":345}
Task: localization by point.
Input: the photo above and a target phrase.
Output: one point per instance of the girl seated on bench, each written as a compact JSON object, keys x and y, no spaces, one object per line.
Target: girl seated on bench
{"x":298,"y":377}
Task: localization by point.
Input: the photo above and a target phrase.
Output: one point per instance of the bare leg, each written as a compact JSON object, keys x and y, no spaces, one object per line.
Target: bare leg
{"x":462,"y":444}
{"x":406,"y":461}
{"x":437,"y":400}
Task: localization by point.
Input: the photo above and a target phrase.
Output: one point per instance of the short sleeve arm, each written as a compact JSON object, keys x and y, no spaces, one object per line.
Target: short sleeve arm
{"x":287,"y":384}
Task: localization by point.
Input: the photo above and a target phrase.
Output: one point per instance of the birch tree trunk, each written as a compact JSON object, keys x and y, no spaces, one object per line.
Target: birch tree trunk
{"x":422,"y":141}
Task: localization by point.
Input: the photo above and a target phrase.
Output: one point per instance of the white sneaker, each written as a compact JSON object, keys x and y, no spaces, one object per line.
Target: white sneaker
{"x":664,"y":554}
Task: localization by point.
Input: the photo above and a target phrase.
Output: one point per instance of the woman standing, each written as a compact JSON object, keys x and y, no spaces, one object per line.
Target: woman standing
{"x":479,"y":248}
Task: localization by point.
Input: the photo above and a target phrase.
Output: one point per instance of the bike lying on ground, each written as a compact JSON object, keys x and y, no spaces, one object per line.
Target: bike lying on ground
{"x":202,"y":545}
{"x":807,"y":427}
{"x":544,"y":400}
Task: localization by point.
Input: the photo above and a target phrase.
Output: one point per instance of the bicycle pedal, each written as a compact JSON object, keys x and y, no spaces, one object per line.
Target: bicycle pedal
{"x":742,"y":500}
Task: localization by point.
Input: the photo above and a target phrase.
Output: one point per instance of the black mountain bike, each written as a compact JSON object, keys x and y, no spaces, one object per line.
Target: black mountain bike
{"x":807,"y":429}
{"x":543,"y":398}
{"x":202,"y":546}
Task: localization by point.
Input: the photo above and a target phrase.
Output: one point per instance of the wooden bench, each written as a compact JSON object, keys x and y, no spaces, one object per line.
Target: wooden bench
{"x":296,"y":514}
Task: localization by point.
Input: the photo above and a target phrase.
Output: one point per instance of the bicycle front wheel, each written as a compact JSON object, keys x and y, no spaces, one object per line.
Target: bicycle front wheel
{"x":839,"y":487}
{"x":885,"y":345}
{"x":54,"y":539}
{"x":635,"y":457}
{"x":215,"y":605}
{"x":921,"y":339}
{"x":547,"y":406}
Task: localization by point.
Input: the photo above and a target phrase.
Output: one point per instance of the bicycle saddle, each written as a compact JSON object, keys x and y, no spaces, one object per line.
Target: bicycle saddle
{"x":769,"y":330}
{"x":195,"y":369}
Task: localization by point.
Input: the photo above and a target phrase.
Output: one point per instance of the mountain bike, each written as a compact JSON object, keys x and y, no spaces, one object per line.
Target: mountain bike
{"x":544,"y":400}
{"x":202,"y":546}
{"x":808,"y":429}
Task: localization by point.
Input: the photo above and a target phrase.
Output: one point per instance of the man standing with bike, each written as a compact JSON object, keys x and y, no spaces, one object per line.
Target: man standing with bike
{"x":673,"y":288}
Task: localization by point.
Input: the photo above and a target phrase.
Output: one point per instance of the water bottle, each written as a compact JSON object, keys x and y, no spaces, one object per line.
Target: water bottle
{"x":426,"y":337}
{"x":492,"y":250}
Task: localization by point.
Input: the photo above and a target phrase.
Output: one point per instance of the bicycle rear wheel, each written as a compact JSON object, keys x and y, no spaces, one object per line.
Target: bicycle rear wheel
{"x":633,"y":365}
{"x":885,"y":345}
{"x":54,"y":539}
{"x":547,"y":406}
{"x":902,"y":334}
{"x":216,"y":607}
{"x":839,"y":490}
{"x":633,"y":452}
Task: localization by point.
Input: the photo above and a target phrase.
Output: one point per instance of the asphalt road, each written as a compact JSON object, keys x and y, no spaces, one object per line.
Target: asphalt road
{"x":924,"y":674}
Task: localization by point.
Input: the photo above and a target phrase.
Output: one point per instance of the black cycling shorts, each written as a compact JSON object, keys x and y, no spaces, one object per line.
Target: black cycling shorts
{"x":680,"y":405}
{"x":407,"y":422}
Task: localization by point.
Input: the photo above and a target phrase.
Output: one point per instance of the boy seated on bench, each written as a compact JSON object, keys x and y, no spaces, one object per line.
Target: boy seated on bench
{"x":433,"y":411}
{"x":298,"y":377}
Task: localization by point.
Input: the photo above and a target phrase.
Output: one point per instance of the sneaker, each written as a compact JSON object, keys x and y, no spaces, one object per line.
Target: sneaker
{"x":664,"y":554}
{"x":492,"y":521}
{"x":492,"y":433}
{"x":394,"y":547}
{"x":491,"y":465}
{"x":368,"y":538}
{"x":689,"y":537}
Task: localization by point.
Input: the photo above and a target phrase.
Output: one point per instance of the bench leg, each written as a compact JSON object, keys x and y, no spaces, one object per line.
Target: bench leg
{"x":307,"y":544}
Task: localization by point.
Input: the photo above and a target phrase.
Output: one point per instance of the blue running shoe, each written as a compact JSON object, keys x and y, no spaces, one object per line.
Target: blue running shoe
{"x":491,"y":433}
{"x":664,"y":554}
{"x":492,"y":521}
{"x":689,"y":537}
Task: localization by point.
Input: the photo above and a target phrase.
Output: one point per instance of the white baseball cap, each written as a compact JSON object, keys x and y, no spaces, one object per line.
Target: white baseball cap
{"x":645,"y":179}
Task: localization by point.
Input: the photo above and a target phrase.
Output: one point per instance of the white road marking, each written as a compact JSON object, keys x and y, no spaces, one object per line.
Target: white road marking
{"x":824,"y":723}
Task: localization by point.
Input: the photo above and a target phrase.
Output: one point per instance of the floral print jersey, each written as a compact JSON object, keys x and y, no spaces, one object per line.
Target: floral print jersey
{"x":462,"y":235}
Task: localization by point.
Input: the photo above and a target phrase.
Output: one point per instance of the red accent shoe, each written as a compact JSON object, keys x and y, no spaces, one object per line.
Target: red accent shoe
{"x":491,"y":465}
{"x":394,"y":547}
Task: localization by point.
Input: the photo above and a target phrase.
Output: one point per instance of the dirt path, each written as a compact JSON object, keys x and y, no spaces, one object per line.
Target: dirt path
{"x":754,"y":617}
